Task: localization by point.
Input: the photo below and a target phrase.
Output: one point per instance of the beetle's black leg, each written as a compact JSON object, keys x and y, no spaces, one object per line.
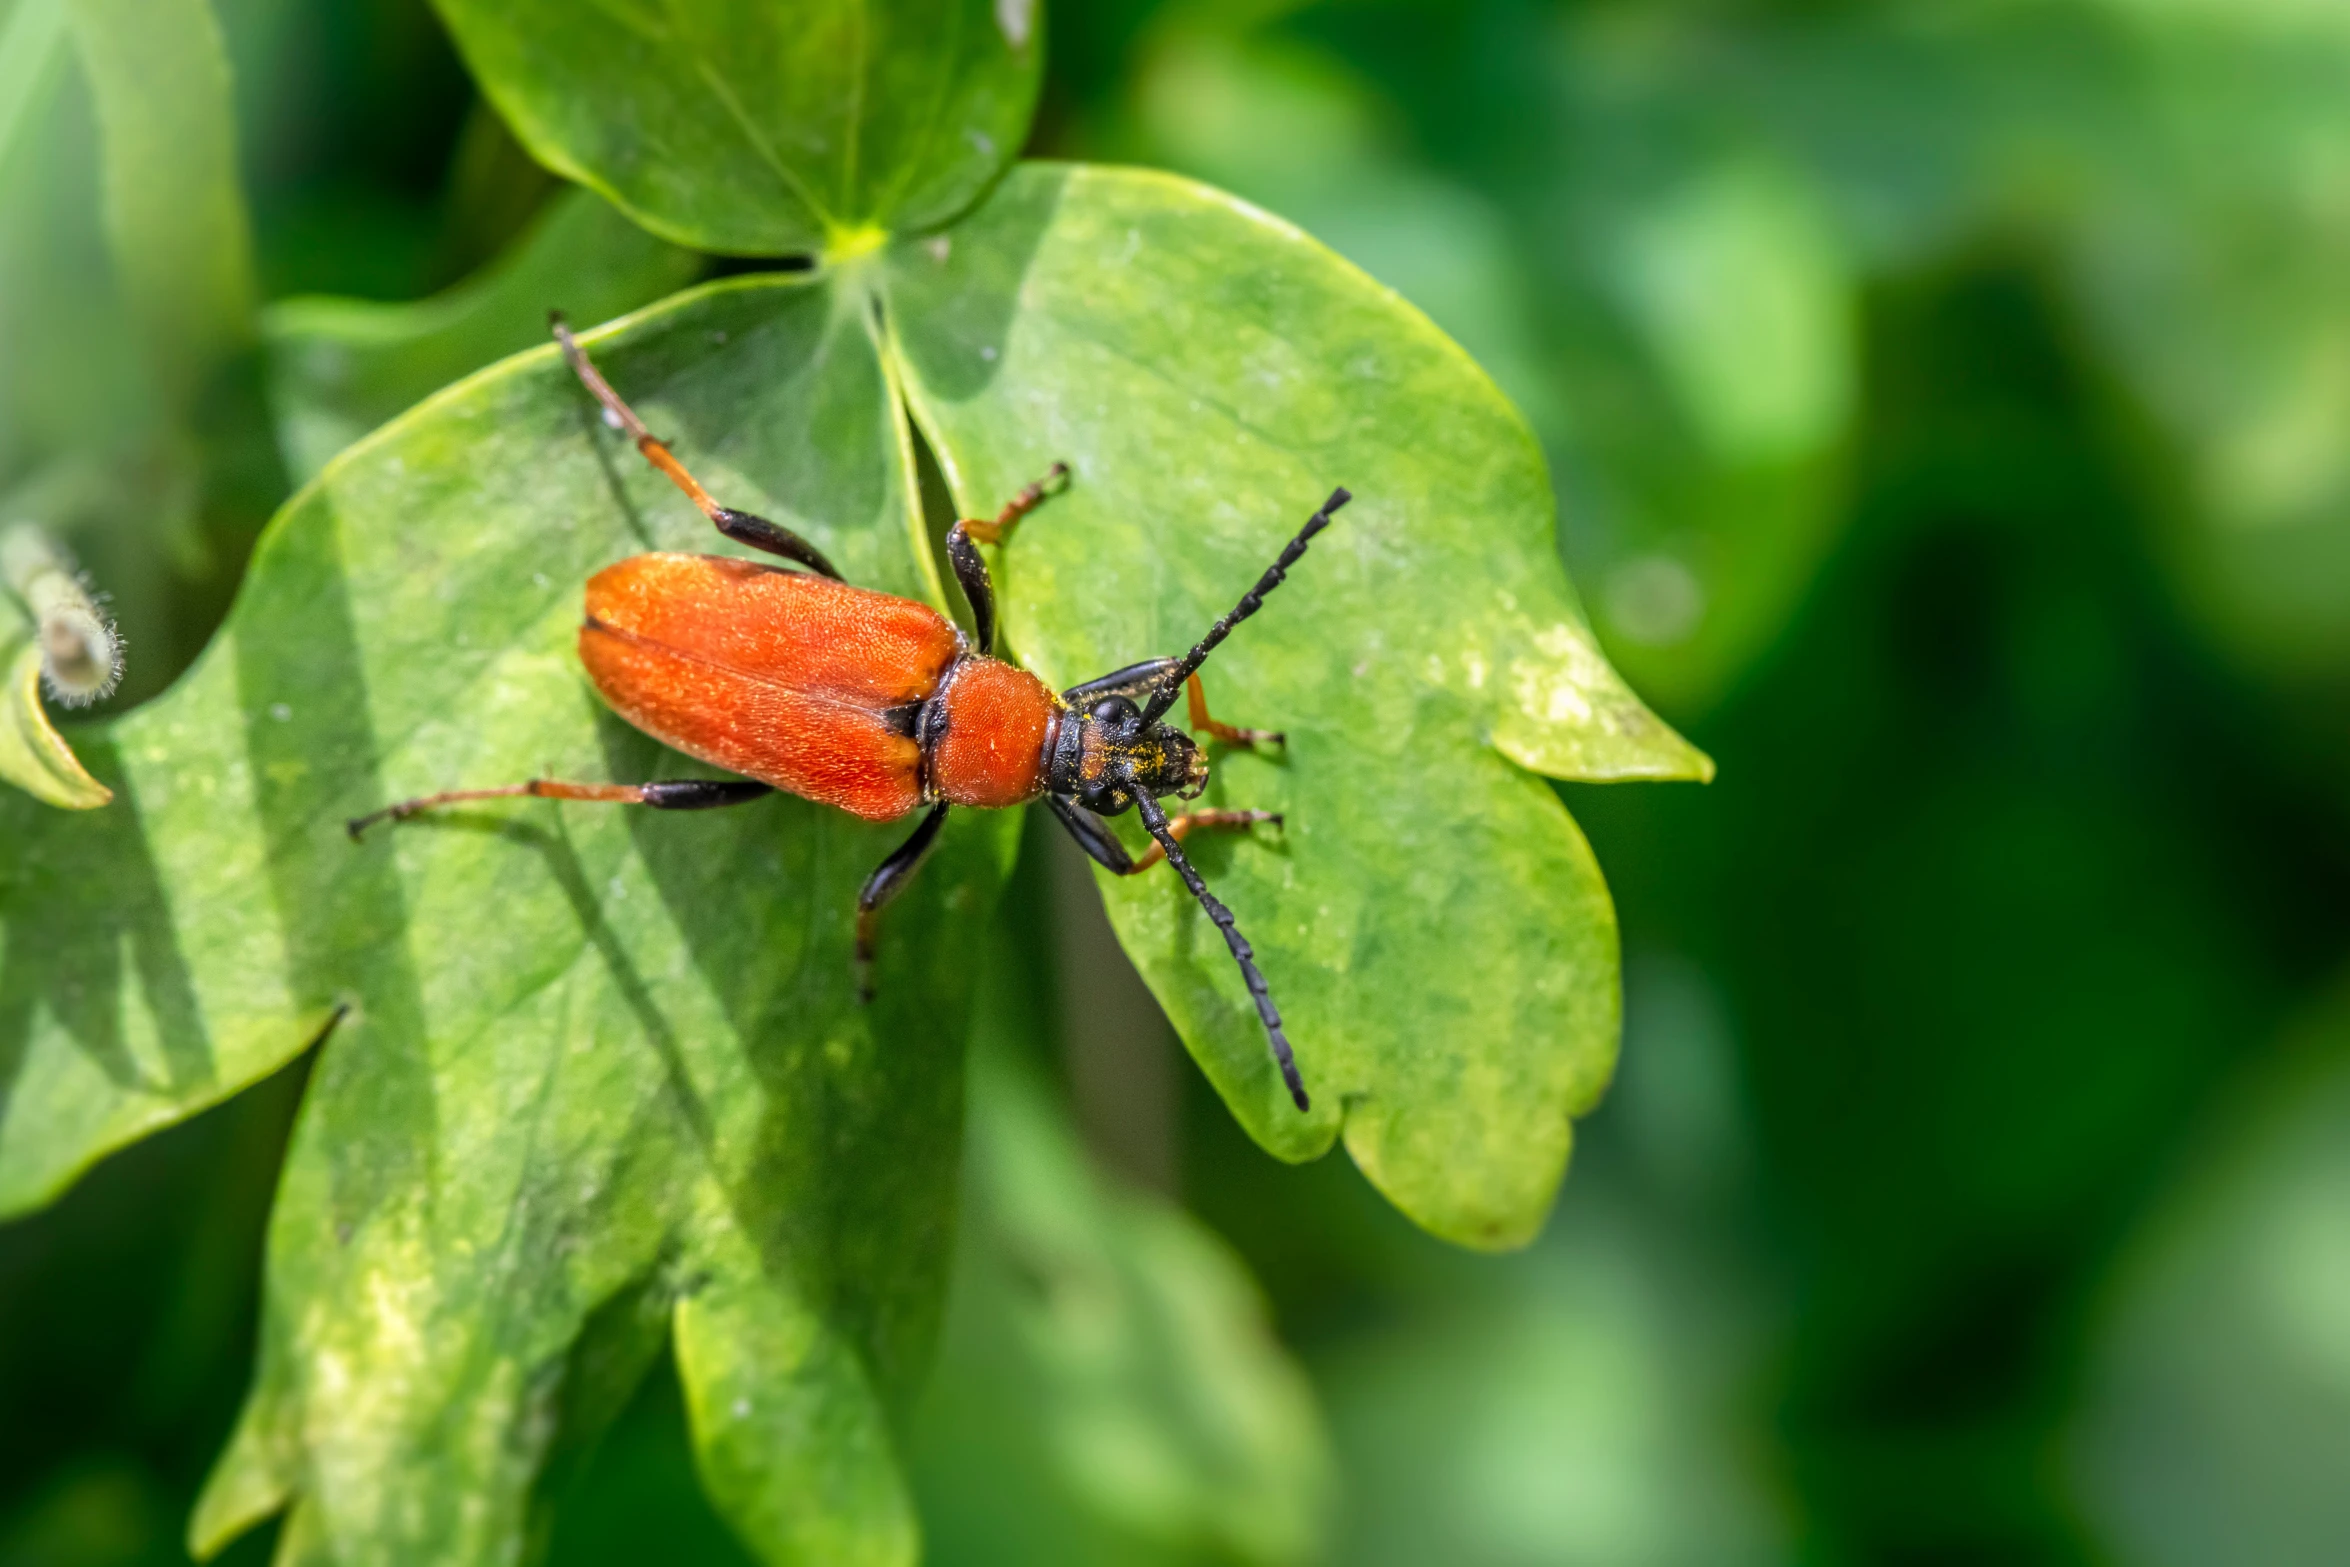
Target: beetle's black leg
{"x":682,"y":794}
{"x":963,"y":553}
{"x":1244,"y":955}
{"x":1132,"y":681}
{"x":1145,"y":678}
{"x":978,"y":586}
{"x":1096,"y":839}
{"x":1092,"y":835}
{"x":889,"y":878}
{"x":1250,"y":602}
{"x":740,"y":526}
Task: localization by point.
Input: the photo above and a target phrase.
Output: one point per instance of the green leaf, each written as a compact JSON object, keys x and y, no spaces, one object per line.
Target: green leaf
{"x":175,"y":212}
{"x":1108,"y":1389}
{"x":1432,"y":923}
{"x":758,"y":127}
{"x":591,"y":1071}
{"x":340,"y":367}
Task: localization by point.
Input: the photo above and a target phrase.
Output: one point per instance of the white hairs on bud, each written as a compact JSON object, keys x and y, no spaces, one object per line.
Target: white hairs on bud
{"x":81,"y":653}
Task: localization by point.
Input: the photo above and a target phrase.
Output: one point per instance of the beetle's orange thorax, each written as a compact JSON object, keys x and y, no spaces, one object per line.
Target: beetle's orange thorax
{"x":987,"y":734}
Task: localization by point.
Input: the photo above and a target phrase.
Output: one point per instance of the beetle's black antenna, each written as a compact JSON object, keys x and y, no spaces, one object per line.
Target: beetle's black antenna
{"x":1243,"y":954}
{"x":1250,"y":602}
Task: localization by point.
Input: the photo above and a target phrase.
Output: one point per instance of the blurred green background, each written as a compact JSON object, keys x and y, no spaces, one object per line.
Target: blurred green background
{"x":1950,"y":411}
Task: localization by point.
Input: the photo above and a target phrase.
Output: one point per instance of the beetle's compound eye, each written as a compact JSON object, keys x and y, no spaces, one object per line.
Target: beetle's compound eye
{"x":1116,"y":711}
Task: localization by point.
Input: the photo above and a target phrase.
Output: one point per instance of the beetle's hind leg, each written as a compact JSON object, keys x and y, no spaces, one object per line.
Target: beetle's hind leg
{"x":682,"y":794}
{"x":740,"y":526}
{"x":890,"y":878}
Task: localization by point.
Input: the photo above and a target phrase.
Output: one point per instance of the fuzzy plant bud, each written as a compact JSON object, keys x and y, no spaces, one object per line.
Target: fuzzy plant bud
{"x":81,"y":656}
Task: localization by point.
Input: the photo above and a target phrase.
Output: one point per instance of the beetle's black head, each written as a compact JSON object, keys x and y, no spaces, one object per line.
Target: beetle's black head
{"x":1117,"y":756}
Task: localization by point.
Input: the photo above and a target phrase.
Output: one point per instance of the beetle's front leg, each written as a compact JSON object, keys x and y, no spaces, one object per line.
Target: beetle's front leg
{"x":1138,"y":682}
{"x":1133,"y":682}
{"x":963,"y":553}
{"x":1096,"y":839}
{"x":1228,"y":733}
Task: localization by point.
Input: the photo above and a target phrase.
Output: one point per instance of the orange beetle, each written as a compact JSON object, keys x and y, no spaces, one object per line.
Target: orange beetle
{"x":878,"y":705}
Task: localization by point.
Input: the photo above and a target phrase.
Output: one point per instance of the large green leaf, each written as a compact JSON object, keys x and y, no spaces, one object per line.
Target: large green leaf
{"x":595,"y":1071}
{"x":1433,"y":924}
{"x":340,"y":367}
{"x":765,"y":127}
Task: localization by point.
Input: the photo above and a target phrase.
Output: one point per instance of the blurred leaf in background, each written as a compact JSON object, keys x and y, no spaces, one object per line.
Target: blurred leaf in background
{"x":2214,"y":1417}
{"x":1597,"y":1399}
{"x":2212,"y":274}
{"x":174,"y":208}
{"x":339,"y":367}
{"x":128,"y":401}
{"x":1663,"y":298}
{"x":1108,"y":1390}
